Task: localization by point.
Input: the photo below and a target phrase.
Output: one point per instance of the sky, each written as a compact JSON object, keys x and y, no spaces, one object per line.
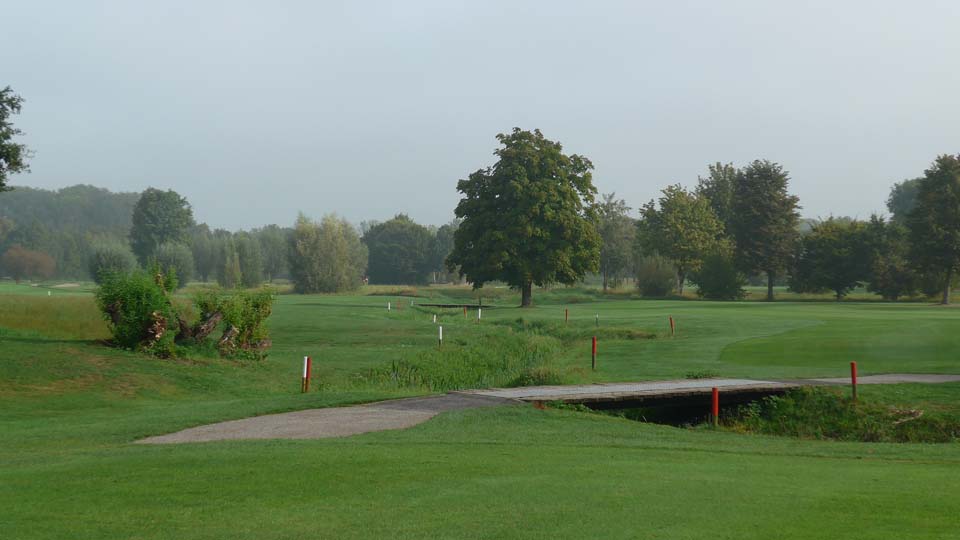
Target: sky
{"x":258,"y":110}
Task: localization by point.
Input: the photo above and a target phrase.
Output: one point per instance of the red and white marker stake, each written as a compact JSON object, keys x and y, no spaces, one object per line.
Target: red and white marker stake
{"x":305,"y":382}
{"x":853,"y":379}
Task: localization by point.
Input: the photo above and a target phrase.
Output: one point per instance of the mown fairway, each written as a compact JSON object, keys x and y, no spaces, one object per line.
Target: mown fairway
{"x":69,"y":409}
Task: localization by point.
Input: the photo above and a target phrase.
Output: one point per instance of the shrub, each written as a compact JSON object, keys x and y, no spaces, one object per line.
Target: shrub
{"x":719,"y":279}
{"x":655,"y":276}
{"x":244,"y":314}
{"x":175,"y":259}
{"x":112,"y":258}
{"x":139,"y":312}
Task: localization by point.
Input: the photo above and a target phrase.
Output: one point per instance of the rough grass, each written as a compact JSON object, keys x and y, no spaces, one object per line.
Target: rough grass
{"x":831,"y":414}
{"x":492,"y":359}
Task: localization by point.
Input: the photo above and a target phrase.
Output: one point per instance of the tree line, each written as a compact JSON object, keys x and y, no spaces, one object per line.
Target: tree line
{"x":531,"y":219}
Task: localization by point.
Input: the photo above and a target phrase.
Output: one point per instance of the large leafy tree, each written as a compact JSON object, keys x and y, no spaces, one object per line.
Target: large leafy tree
{"x":13,"y":155}
{"x":159,"y":217}
{"x":718,"y":187}
{"x":835,"y":256}
{"x":617,"y":233}
{"x":400,"y":251}
{"x":891,"y":274}
{"x":528,"y":220}
{"x":934,"y":222}
{"x":763,"y":220}
{"x":683,"y":228}
{"x":902,"y":199}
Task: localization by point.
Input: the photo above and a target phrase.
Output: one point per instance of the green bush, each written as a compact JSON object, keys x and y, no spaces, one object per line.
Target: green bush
{"x":246,"y":311}
{"x":111,"y":258}
{"x":719,"y":279}
{"x":139,"y":312}
{"x":656,"y":277}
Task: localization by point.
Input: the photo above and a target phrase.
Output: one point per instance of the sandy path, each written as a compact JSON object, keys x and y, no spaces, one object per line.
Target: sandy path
{"x":331,"y":422}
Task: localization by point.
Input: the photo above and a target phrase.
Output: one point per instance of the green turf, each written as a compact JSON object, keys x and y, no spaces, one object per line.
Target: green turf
{"x":70,"y":408}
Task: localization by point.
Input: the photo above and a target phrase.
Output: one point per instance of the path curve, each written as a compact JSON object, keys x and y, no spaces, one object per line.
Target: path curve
{"x":332,"y":421}
{"x":405,"y":413}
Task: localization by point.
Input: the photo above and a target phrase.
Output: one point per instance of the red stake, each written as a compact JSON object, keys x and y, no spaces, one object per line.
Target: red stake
{"x":715,"y":406}
{"x":853,"y":379}
{"x":464,"y":312}
{"x":593,"y":356}
{"x":566,"y":315}
{"x":673,"y":329}
{"x":305,"y":383}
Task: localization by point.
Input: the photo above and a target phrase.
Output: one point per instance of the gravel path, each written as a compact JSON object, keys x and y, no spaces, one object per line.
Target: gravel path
{"x":333,"y":421}
{"x":405,"y":413}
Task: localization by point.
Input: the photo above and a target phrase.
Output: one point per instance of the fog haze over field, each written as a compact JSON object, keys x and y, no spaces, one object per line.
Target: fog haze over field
{"x":369,"y":109}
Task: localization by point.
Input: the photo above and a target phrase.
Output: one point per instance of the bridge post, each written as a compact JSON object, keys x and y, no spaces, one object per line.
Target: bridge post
{"x":853,"y":379}
{"x":715,"y":406}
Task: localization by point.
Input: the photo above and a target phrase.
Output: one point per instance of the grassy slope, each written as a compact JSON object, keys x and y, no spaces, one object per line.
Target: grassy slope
{"x":69,"y":408}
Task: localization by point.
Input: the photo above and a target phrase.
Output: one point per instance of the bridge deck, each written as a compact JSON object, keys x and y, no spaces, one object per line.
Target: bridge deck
{"x":660,"y":390}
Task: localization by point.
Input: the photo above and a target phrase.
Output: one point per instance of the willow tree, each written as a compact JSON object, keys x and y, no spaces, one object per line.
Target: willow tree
{"x":528,"y":220}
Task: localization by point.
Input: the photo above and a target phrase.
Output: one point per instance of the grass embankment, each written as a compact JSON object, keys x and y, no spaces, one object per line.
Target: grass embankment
{"x":69,"y":409}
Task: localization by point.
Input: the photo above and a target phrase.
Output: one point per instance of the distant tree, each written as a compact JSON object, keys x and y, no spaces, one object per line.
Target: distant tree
{"x":529,"y":219}
{"x":891,"y":275}
{"x":207,"y":252}
{"x":159,"y":217}
{"x":442,"y":247}
{"x":13,"y":156}
{"x":326,"y":257}
{"x":684,"y":229}
{"x":251,"y":260}
{"x":718,"y":188}
{"x":111,"y":258}
{"x":835,"y":256}
{"x":763,"y":221}
{"x":934,"y":222}
{"x":176,"y":259}
{"x":400,"y":251}
{"x":231,"y":275}
{"x":617,"y":234}
{"x":21,"y":263}
{"x":274,"y":242}
{"x":719,"y":278}
{"x":902,"y":199}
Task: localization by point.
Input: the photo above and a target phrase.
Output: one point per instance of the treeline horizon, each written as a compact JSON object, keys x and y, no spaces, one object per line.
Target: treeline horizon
{"x":73,"y":225}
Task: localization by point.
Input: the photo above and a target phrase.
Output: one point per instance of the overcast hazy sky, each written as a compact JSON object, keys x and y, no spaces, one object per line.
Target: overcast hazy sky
{"x":257,"y":110}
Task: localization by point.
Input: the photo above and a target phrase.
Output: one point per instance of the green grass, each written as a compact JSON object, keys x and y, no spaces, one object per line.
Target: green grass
{"x":70,"y":409}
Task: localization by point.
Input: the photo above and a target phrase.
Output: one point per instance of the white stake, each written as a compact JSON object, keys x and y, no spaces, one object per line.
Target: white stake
{"x":479,"y":313}
{"x":434,"y":318}
{"x":388,"y":306}
{"x":440,"y":341}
